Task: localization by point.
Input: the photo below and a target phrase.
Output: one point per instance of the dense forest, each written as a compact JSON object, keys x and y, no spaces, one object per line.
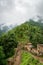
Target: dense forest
{"x":30,"y":31}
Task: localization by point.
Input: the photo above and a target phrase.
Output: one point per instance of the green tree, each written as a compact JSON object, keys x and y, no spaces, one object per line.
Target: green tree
{"x":8,"y":41}
{"x":2,"y":57}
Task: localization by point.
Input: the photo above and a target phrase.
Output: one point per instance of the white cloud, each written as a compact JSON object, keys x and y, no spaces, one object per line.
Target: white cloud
{"x":18,"y":11}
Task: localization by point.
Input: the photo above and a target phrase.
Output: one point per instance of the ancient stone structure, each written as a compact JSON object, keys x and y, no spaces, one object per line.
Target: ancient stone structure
{"x":29,"y":47}
{"x":40,"y":49}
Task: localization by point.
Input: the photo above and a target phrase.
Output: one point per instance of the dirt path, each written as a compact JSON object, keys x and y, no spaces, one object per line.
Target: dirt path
{"x":18,"y":58}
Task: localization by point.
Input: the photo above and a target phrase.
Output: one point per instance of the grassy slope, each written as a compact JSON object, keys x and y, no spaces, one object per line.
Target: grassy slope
{"x":27,"y":59}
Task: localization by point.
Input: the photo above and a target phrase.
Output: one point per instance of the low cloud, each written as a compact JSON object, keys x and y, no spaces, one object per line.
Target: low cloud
{"x":39,"y":8}
{"x":18,"y":11}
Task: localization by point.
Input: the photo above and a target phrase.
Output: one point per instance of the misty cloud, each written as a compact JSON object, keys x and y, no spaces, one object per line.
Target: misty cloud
{"x":5,"y":5}
{"x":18,"y":11}
{"x":39,"y":8}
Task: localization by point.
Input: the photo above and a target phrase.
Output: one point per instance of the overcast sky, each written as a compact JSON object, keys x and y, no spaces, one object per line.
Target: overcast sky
{"x":18,"y":11}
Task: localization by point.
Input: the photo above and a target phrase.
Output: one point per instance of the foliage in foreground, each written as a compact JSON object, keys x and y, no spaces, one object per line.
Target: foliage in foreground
{"x":8,"y":43}
{"x":27,"y":59}
{"x":2,"y":57}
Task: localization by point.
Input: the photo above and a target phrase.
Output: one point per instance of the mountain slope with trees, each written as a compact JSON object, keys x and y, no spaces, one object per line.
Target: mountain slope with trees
{"x":30,"y":31}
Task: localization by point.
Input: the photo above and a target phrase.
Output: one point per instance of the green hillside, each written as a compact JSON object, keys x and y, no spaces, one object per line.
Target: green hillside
{"x":30,"y":31}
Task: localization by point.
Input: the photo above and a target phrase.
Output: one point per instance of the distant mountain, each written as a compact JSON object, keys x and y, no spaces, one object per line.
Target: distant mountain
{"x":4,"y":28}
